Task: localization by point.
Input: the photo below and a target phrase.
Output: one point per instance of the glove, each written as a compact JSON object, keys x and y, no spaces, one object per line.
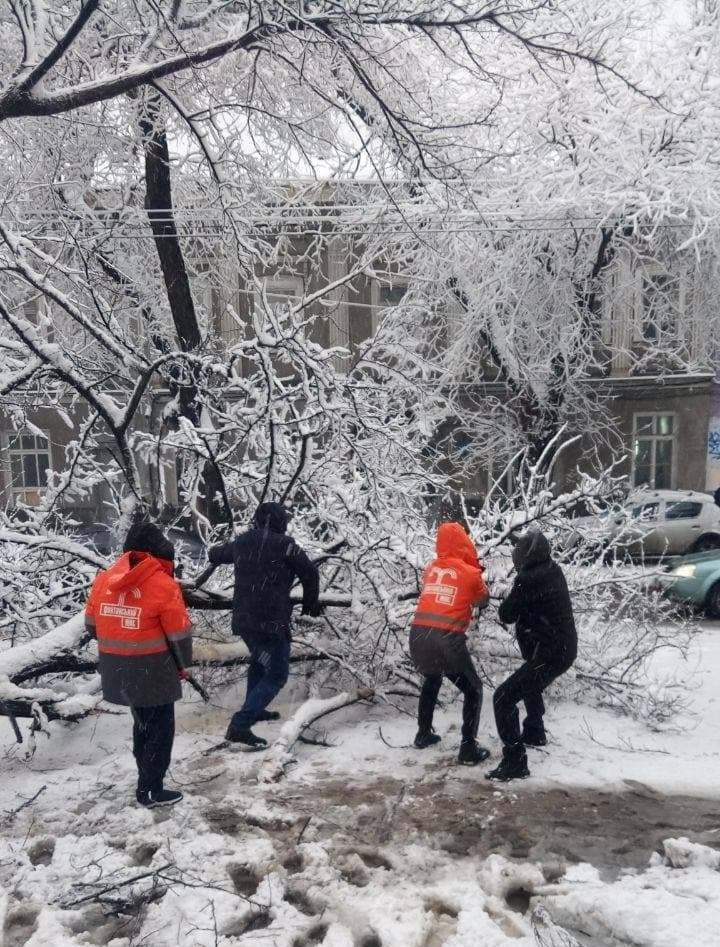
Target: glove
{"x":313,"y":609}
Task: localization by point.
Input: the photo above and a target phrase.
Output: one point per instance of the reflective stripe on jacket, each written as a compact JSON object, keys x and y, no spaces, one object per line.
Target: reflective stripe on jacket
{"x":136,"y":608}
{"x":452,"y":584}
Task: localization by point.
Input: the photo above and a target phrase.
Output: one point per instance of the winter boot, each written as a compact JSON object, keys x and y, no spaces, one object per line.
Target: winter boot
{"x":512,"y":766}
{"x":268,"y":715}
{"x":534,"y":736}
{"x":425,"y":738}
{"x":154,"y":798}
{"x":245,"y":736}
{"x":471,"y":753}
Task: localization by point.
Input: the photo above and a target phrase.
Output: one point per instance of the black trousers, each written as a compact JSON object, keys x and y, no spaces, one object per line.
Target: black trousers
{"x":472,"y":692}
{"x":439,"y":654}
{"x":527,"y":685}
{"x":153,"y":735}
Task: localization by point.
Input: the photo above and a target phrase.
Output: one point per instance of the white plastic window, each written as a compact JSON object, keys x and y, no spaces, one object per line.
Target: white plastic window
{"x":654,"y":450}
{"x":28,"y":462}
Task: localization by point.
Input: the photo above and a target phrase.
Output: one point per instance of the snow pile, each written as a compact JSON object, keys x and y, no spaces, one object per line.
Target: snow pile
{"x":682,"y":853}
{"x":659,"y":907}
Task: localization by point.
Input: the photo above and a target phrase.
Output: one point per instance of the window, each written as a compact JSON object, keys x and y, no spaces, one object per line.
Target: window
{"x":660,"y":304}
{"x":281,"y":291}
{"x":389,"y":295}
{"x":649,"y":511}
{"x":654,"y":450}
{"x":385,"y":295}
{"x":501,"y":478}
{"x":29,"y":461}
{"x":684,"y":510}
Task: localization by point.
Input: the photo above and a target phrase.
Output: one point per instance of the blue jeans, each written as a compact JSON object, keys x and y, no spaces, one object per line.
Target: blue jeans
{"x":267,"y":675}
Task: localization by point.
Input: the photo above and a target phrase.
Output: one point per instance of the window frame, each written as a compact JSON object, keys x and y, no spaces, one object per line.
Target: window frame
{"x":650,"y":270}
{"x":654,"y":438}
{"x":496,"y":467}
{"x":284,"y":280}
{"x":376,"y":286}
{"x":21,"y":493}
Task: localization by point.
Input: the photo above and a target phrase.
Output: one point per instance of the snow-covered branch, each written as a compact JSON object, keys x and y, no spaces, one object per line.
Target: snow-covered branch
{"x":278,"y":756}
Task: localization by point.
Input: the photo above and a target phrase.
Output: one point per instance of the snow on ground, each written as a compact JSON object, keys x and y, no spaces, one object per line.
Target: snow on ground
{"x":370,"y":843}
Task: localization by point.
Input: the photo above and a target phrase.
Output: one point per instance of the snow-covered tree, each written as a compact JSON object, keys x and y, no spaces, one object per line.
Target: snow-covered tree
{"x":151,"y":149}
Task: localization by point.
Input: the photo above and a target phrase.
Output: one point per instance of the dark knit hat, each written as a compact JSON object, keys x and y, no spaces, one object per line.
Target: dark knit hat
{"x":147,"y":537}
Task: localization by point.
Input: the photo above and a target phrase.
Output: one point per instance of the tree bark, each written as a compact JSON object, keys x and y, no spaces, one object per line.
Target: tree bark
{"x":159,"y":206}
{"x":160,"y":211}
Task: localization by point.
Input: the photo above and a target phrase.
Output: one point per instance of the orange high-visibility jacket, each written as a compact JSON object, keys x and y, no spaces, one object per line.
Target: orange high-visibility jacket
{"x":135,"y":608}
{"x":453,"y":583}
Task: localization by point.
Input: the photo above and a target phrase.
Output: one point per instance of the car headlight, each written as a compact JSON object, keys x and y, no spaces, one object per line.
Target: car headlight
{"x":685,"y":572}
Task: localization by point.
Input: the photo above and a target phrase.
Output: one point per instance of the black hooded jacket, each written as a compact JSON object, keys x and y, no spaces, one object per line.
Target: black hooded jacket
{"x":539,"y":605}
{"x":267,"y":563}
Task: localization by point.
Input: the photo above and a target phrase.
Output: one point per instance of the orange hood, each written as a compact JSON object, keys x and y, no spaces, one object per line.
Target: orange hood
{"x":454,"y":543}
{"x":135,"y":568}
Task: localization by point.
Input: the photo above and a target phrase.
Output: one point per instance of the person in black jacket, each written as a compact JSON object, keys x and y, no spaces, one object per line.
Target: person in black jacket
{"x":267,"y":562}
{"x":539,"y":606}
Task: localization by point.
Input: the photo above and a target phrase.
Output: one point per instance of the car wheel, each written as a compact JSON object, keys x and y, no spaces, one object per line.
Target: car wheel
{"x":706,"y":543}
{"x":712,"y":602}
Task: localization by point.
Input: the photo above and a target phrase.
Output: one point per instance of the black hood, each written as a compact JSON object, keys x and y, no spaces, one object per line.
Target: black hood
{"x":147,"y":537}
{"x":531,"y":549}
{"x":272,"y":516}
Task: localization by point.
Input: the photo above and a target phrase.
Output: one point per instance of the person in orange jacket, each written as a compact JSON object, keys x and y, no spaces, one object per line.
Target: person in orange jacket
{"x":452,"y":586}
{"x":137,"y":613}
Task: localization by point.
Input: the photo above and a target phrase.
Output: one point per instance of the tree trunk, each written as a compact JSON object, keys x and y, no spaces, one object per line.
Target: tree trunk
{"x":159,"y":207}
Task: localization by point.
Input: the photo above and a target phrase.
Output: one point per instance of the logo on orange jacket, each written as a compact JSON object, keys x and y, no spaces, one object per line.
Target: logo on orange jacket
{"x":130,"y":615}
{"x":440,"y":587}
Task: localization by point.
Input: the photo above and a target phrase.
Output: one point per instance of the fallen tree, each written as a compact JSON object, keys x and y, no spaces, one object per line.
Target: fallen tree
{"x":69,"y":651}
{"x":621,"y":624}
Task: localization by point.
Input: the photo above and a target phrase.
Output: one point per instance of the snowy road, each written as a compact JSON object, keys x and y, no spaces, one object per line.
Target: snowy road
{"x":370,"y":843}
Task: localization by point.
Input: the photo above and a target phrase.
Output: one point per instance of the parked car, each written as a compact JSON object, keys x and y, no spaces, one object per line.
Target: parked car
{"x":695,"y":580}
{"x":655,"y":523}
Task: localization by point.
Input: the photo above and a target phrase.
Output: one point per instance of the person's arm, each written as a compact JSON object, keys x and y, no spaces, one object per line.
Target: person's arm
{"x":509,"y":609}
{"x":90,"y":612}
{"x":221,"y":555}
{"x":176,"y":626}
{"x":309,"y":577}
{"x":481,"y":592}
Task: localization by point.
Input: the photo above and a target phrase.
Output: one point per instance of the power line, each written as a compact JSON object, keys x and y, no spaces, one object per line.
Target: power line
{"x":293,"y":214}
{"x":389,"y":231}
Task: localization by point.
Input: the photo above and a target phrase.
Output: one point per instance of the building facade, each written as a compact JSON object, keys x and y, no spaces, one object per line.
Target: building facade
{"x":666,"y":419}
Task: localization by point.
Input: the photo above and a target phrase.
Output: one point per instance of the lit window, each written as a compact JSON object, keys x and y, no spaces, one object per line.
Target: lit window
{"x":653,"y":450}
{"x":29,"y":460}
